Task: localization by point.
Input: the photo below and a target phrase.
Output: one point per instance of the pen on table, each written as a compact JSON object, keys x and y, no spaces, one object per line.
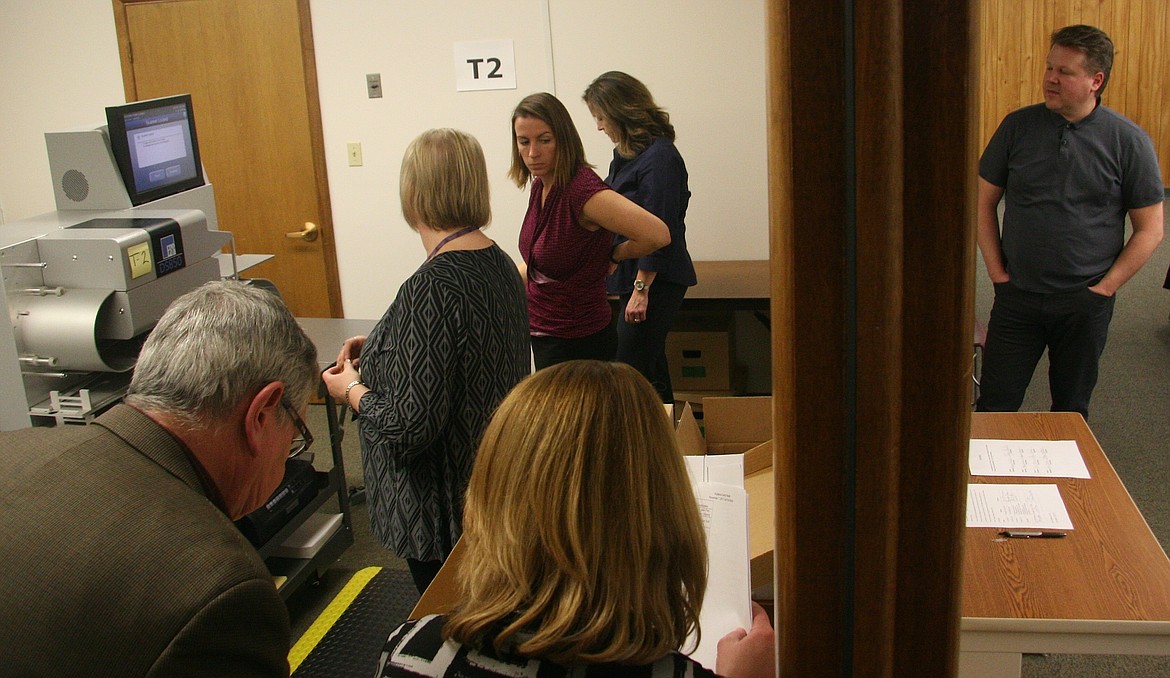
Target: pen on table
{"x":1031,"y":534}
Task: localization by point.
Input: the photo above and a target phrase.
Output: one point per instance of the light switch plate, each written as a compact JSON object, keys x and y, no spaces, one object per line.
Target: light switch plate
{"x":374,"y":85}
{"x":354,"y":150}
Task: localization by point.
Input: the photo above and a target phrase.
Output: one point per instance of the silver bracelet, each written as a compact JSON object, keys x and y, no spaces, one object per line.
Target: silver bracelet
{"x":348,"y":388}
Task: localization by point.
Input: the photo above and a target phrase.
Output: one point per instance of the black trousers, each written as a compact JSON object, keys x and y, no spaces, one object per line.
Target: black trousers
{"x":548,"y":351}
{"x":1072,"y":326}
{"x":643,"y":345}
{"x":423,"y":572}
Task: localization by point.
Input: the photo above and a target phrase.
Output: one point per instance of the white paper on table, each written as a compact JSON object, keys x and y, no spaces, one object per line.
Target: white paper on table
{"x":723,"y":508}
{"x":1035,"y":458}
{"x":1016,"y":506}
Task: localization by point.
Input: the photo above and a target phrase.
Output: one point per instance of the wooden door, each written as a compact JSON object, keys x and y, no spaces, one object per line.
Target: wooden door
{"x":248,"y":65}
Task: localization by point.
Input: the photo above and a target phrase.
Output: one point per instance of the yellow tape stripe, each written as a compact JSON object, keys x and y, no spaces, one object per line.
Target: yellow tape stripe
{"x":329,"y":616}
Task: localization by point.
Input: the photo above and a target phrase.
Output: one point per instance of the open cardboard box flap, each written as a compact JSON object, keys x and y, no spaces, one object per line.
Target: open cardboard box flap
{"x":761,"y":491}
{"x":443,"y":593}
{"x":737,"y":425}
{"x":734,"y":425}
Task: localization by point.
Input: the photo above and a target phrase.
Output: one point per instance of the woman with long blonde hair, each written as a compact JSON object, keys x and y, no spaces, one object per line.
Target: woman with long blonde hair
{"x":584,"y":550}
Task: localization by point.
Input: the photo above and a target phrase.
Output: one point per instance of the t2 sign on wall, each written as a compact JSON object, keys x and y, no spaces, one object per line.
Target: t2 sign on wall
{"x":485,"y":64}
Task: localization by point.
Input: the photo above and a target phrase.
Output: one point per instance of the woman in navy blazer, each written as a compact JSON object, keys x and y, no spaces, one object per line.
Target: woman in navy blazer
{"x":647,"y":169}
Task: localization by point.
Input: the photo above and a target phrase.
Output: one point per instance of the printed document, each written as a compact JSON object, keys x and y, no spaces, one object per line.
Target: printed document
{"x":1016,"y":506}
{"x":723,"y":507}
{"x":1035,"y":458}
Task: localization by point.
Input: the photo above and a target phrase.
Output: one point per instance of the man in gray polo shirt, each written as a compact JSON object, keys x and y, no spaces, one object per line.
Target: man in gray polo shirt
{"x":1070,"y":171}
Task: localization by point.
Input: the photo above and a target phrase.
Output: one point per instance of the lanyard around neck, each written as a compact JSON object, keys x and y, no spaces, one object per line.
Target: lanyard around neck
{"x":457,"y":234}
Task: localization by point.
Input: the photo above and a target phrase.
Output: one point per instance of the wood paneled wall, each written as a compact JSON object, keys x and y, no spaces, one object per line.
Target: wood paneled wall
{"x":1013,"y":46}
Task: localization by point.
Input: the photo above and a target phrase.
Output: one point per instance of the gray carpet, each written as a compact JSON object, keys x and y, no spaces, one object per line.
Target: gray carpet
{"x":1128,"y":415}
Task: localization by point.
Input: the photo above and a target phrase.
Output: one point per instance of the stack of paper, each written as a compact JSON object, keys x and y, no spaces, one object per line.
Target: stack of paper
{"x":1035,"y":458}
{"x":718,"y":485}
{"x":1021,"y":506}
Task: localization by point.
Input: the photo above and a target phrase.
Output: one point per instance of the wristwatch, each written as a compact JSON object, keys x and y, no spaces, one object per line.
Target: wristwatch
{"x":639,"y":285}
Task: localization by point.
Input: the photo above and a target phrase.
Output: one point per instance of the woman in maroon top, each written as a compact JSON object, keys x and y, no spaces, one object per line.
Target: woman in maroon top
{"x":567,"y":235}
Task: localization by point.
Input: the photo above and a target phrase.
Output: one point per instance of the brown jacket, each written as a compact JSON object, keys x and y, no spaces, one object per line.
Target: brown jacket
{"x":113,"y":562}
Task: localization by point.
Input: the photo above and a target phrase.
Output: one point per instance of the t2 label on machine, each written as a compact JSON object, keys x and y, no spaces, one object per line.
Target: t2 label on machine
{"x":485,"y":64}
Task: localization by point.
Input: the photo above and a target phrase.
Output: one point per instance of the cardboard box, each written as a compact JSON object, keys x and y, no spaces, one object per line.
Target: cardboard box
{"x":701,"y":351}
{"x":696,"y":398}
{"x":699,"y":360}
{"x":761,"y":489}
{"x":734,"y":426}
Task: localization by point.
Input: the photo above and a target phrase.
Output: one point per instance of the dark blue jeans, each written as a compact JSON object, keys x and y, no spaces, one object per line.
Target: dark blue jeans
{"x":643,"y":345}
{"x":1072,"y":326}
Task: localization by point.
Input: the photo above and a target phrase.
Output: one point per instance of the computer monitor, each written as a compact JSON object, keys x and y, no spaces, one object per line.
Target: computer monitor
{"x":155,"y":146}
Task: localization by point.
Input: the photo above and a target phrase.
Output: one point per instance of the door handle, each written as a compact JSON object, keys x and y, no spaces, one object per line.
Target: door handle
{"x":308,"y":234}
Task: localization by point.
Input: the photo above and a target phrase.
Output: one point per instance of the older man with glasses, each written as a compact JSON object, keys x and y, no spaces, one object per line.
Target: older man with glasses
{"x":116,"y":539}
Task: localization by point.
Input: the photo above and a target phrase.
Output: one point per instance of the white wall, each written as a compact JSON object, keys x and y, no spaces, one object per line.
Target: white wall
{"x":412,"y":46}
{"x":59,"y":69}
{"x":704,"y":66}
{"x":704,"y":63}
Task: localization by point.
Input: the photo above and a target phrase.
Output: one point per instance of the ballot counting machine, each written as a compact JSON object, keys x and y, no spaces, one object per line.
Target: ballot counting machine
{"x":135,"y":228}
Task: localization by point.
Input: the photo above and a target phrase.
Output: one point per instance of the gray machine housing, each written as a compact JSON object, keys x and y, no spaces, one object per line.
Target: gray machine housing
{"x":84,"y":285}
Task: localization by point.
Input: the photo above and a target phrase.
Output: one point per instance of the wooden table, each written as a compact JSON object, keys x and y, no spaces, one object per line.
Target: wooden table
{"x":1103,"y":589}
{"x":742,"y":285}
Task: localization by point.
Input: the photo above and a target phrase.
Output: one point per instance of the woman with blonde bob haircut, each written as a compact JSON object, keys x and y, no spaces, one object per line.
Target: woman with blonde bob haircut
{"x":445,"y":353}
{"x":584,"y":546}
{"x":443,"y":183}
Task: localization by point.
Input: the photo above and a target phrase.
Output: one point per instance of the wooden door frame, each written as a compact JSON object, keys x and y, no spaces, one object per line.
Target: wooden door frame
{"x":871,"y":202}
{"x":316,"y":133}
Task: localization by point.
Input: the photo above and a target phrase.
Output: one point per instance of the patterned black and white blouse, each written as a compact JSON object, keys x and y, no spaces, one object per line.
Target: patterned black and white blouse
{"x":417,"y":648}
{"x":444,"y":355}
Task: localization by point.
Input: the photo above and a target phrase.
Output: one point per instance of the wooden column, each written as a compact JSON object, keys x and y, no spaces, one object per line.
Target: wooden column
{"x":871,"y":185}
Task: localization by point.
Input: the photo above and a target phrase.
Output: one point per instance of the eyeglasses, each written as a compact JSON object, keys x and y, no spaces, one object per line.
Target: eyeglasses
{"x":302,"y":442}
